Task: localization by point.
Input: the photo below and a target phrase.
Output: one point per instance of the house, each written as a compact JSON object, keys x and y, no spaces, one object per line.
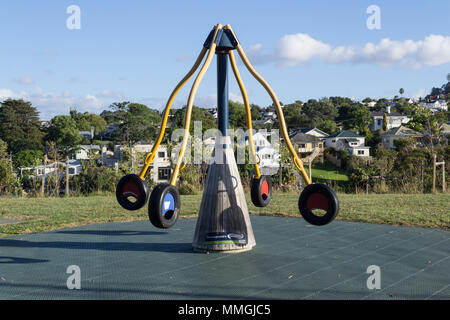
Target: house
{"x":398,"y":133}
{"x":110,"y":131}
{"x":266,"y":154}
{"x":435,"y":106}
{"x":394,"y":119}
{"x":161,"y":166}
{"x":352,"y":142}
{"x":75,"y":168}
{"x":311,"y":132}
{"x":88,"y":135}
{"x":85,"y":151}
{"x":307,"y":145}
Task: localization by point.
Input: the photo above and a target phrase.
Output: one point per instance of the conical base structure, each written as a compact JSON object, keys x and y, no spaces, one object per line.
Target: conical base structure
{"x":223,"y":223}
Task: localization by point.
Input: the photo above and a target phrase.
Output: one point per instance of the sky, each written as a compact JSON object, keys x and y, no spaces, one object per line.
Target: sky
{"x":139,"y":50}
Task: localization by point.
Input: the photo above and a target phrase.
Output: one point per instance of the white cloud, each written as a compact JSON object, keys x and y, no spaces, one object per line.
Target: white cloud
{"x":294,"y":49}
{"x":50,"y":104}
{"x":297,"y":49}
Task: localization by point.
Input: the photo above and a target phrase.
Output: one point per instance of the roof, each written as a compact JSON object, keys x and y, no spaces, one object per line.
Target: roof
{"x":301,"y":137}
{"x":345,"y":134}
{"x":307,"y":130}
{"x":402,"y":131}
{"x":391,"y":114}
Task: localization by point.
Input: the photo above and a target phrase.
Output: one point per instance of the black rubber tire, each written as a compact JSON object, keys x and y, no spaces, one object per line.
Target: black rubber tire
{"x":332,"y":205}
{"x":259,"y":199}
{"x":139,"y":191}
{"x":159,"y":217}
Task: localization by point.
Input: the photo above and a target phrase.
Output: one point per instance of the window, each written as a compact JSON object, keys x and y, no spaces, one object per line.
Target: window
{"x":161,"y":154}
{"x":361,"y":152}
{"x":379,"y":122}
{"x":163,"y":173}
{"x":334,"y":140}
{"x":302,"y":145}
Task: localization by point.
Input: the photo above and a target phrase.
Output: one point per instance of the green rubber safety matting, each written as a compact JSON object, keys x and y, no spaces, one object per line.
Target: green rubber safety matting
{"x":291,"y":260}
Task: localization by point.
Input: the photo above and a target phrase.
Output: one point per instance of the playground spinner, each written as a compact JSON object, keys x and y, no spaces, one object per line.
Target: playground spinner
{"x":223,"y":223}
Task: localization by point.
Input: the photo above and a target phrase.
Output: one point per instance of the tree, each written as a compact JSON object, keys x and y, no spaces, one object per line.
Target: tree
{"x":64,"y":132}
{"x":19,"y":125}
{"x":385,"y":124}
{"x":28,"y":158}
{"x":448,"y":77}
{"x":237,"y":115}
{"x":198,"y":114}
{"x":293,"y":114}
{"x":87,"y":120}
{"x":8,"y":181}
{"x":401,"y":91}
{"x":316,"y":112}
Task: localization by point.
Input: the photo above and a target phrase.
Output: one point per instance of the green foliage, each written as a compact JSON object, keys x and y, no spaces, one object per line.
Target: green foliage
{"x":95,"y":179}
{"x":355,"y":117}
{"x":87,"y":120}
{"x":293,"y":114}
{"x":19,"y":125}
{"x":64,"y":132}
{"x":28,"y":158}
{"x":328,"y":126}
{"x":8,"y":182}
{"x":317,"y":112}
{"x":198,"y":114}
{"x":237,"y":115}
{"x":385,"y":124}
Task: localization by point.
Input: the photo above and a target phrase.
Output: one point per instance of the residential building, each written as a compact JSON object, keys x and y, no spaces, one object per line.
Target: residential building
{"x":307,"y":145}
{"x":161,"y":166}
{"x":401,"y":132}
{"x":394,"y":119}
{"x":435,"y":106}
{"x":352,"y":142}
{"x":89,"y":135}
{"x":85,"y":151}
{"x":267,"y":156}
{"x":311,"y":132}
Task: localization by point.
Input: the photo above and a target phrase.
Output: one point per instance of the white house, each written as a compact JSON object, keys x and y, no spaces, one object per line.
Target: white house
{"x":161,"y":166}
{"x":85,"y":150}
{"x":394,"y":119}
{"x":352,"y":142}
{"x":435,"y":106}
{"x":266,"y":154}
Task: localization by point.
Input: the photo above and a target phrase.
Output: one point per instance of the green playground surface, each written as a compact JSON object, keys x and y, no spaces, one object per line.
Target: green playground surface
{"x":291,"y":260}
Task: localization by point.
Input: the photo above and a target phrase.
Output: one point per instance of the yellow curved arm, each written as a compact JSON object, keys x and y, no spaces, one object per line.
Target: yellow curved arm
{"x":248,"y":112}
{"x":298,"y":163}
{"x":194,"y":88}
{"x":150,"y":156}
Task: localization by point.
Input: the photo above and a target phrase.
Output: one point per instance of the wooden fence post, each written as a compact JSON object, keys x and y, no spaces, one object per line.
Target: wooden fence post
{"x":67,"y":176}
{"x":43,"y":176}
{"x":434,"y":173}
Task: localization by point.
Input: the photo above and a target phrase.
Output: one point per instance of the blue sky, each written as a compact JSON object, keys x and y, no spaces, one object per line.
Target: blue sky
{"x":139,"y":50}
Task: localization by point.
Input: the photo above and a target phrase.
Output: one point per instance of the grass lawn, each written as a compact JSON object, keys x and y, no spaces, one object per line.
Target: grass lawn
{"x":425,"y":210}
{"x":327,"y":171}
